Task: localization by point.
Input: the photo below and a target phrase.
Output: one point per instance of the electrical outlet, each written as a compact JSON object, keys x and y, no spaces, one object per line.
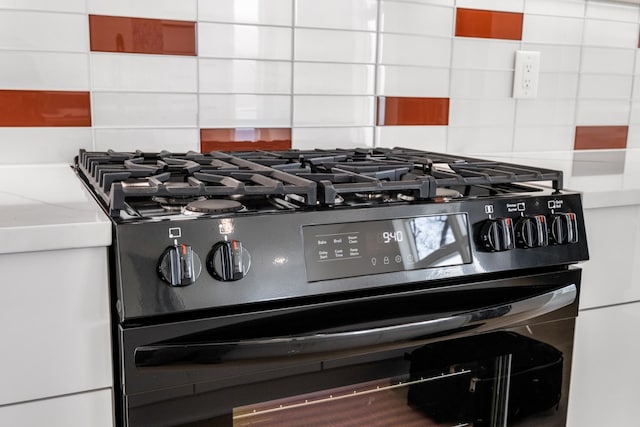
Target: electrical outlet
{"x":527,"y":74}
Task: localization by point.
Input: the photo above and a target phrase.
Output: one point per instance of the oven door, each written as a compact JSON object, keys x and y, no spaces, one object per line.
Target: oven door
{"x":489,"y":353}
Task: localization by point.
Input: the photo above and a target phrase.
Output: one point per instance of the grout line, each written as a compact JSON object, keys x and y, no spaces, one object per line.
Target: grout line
{"x":293,"y":62}
{"x":376,"y":76}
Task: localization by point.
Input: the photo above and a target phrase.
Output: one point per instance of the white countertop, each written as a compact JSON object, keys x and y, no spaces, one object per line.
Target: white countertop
{"x":46,"y":207}
{"x":605,"y":177}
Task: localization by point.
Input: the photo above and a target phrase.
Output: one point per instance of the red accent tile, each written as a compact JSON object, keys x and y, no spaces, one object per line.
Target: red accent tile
{"x":140,"y":35}
{"x":38,"y":108}
{"x":600,"y":137}
{"x":489,"y":24}
{"x":412,"y":111}
{"x":243,"y":139}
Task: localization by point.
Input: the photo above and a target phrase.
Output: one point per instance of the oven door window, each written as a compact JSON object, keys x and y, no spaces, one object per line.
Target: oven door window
{"x":496,"y":379}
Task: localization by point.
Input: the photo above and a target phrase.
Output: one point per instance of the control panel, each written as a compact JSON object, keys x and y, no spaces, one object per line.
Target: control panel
{"x":522,"y":228}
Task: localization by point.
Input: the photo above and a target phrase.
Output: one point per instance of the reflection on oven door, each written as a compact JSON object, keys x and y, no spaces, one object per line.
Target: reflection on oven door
{"x":491,"y":380}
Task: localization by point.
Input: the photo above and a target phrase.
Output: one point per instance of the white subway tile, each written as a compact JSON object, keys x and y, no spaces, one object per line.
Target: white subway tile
{"x":633,"y":137}
{"x":558,"y":86}
{"x":612,"y":11}
{"x":334,"y":46}
{"x":43,"y":31}
{"x":428,"y":138}
{"x":413,"y":81}
{"x":245,"y":110}
{"x":484,"y":54}
{"x":602,"y":112}
{"x":430,"y":2}
{"x":413,"y":18}
{"x":44,"y":70}
{"x":570,"y":8}
{"x":112,"y":109}
{"x":184,"y":10}
{"x":176,"y":140}
{"x":552,"y":30}
{"x":331,"y":137}
{"x":398,"y":49}
{"x":543,"y":138}
{"x":635,"y":112}
{"x":532,"y":112}
{"x":480,"y":139}
{"x":481,"y":112}
{"x":143,"y":73}
{"x":605,"y":86}
{"x":636,"y":87}
{"x":244,"y":76}
{"x":78,"y":6}
{"x":499,"y":5}
{"x":556,"y":58}
{"x":610,"y":34}
{"x":481,"y":84}
{"x":337,"y":79}
{"x":314,"y":111}
{"x":607,"y":60}
{"x":243,"y":41}
{"x":341,"y":14}
{"x":43,"y":144}
{"x":265,"y":12}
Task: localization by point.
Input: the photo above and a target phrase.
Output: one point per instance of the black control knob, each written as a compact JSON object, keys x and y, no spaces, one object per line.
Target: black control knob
{"x":228,"y":261}
{"x":564,"y":228}
{"x":497,"y":234}
{"x":179,"y":265}
{"x":532,"y":232}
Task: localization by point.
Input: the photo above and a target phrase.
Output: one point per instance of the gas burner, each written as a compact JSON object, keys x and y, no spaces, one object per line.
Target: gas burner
{"x":175,"y":203}
{"x":444,"y":194}
{"x":370,"y":197}
{"x":209,"y":206}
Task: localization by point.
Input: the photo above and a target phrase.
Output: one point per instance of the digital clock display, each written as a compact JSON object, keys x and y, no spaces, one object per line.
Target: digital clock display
{"x":391,"y":236}
{"x":369,"y":247}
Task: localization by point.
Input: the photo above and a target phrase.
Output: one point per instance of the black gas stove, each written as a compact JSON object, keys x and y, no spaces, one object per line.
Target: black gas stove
{"x":247,"y":276}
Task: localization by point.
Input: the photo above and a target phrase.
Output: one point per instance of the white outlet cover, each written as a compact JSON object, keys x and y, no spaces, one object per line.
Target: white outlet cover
{"x":526,"y":76}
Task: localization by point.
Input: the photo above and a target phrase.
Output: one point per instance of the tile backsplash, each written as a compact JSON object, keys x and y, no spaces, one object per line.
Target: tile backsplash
{"x":238,"y":74}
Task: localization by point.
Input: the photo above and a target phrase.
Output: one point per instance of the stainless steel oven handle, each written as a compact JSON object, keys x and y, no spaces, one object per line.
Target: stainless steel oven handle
{"x":481,"y":320}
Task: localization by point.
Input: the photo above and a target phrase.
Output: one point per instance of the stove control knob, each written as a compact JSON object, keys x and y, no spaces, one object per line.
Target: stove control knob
{"x":497,"y":234}
{"x":179,"y":265}
{"x":532,"y":232}
{"x":228,"y":261}
{"x":564,"y":228}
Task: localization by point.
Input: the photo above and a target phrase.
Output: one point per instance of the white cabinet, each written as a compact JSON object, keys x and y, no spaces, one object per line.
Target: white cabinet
{"x":605,"y":376}
{"x":89,"y":409}
{"x":55,"y":351}
{"x":55,"y":362}
{"x":612,"y":276}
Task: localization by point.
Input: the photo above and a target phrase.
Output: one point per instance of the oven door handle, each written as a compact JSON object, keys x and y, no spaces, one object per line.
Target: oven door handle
{"x":395,"y":335}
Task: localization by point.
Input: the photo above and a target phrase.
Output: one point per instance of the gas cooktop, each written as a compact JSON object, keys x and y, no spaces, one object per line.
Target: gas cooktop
{"x":142,"y":185}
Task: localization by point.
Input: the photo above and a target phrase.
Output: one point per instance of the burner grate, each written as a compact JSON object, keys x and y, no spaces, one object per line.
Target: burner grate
{"x":310,"y":177}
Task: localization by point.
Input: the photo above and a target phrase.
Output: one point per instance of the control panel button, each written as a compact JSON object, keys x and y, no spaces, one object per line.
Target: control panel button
{"x":228,"y":261}
{"x":498,"y":234}
{"x":179,"y":265}
{"x":532,"y":232}
{"x":564,"y":228}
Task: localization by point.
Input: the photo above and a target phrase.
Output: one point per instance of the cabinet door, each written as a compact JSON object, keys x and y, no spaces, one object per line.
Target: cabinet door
{"x":611,"y":276}
{"x":54,"y":324}
{"x":93,"y":409}
{"x":605,"y":375}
